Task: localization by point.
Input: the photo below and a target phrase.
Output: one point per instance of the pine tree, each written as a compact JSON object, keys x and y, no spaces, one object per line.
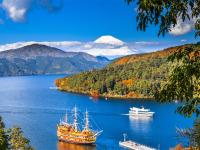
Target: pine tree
{"x":3,"y":136}
{"x":17,"y":140}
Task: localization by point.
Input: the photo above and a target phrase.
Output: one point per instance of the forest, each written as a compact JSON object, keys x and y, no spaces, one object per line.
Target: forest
{"x":133,"y":76}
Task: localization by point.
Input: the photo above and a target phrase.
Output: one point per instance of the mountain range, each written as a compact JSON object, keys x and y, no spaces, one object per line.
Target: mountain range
{"x":105,"y":45}
{"x":37,"y":59}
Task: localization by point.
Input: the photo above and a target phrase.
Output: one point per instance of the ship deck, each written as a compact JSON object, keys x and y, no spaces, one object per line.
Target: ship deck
{"x":135,"y":146}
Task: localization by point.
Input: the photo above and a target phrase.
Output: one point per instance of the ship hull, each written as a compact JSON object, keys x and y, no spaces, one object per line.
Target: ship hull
{"x":146,"y":114}
{"x":75,"y":142}
{"x":141,"y":115}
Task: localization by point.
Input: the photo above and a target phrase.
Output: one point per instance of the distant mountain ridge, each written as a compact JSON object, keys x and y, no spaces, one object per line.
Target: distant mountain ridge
{"x":106,"y":45}
{"x":38,"y":50}
{"x":41,"y":59}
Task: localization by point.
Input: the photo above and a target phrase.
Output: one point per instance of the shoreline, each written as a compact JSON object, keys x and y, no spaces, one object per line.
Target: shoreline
{"x":106,"y":96}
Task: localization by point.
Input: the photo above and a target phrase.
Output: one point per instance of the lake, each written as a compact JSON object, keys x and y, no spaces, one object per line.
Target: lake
{"x":31,"y":103}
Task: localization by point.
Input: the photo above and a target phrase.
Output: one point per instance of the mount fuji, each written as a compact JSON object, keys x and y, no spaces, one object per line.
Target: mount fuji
{"x":108,"y":39}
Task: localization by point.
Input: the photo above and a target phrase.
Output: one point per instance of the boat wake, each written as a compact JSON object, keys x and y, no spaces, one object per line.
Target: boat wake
{"x":53,"y":88}
{"x":46,"y":110}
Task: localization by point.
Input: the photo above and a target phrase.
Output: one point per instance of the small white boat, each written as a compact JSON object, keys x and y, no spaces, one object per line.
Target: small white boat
{"x":140,"y":112}
{"x":133,"y":145}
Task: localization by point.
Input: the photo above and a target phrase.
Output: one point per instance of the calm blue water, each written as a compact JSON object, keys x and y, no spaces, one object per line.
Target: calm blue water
{"x":28,"y":102}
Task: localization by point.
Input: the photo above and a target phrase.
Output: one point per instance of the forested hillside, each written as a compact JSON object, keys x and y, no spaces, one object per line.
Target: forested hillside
{"x":134,"y":76}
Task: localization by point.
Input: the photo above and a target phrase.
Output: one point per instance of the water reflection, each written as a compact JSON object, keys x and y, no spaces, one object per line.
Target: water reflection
{"x":68,"y":146}
{"x":143,"y":118}
{"x":140,"y":124}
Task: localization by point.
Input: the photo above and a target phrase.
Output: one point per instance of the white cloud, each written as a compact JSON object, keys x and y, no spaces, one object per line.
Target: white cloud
{"x":183,"y":27}
{"x":87,"y":46}
{"x":62,"y":44}
{"x":121,"y":51}
{"x":146,"y":43}
{"x":148,"y":46}
{"x":16,"y":9}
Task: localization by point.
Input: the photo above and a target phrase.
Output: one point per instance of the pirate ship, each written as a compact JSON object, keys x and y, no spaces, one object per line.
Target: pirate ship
{"x":72,"y":133}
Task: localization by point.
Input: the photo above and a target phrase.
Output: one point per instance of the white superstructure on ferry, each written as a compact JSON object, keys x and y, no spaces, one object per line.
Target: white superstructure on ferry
{"x":140,"y":112}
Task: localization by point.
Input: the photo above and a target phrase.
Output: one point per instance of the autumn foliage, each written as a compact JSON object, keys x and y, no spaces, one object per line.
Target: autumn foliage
{"x":145,"y":57}
{"x":134,"y":76}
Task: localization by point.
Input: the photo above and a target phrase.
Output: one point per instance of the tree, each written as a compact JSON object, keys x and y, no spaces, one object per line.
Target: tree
{"x":195,"y":136}
{"x":17,"y":140}
{"x":3,"y":136}
{"x":167,"y":14}
{"x":12,"y":139}
{"x":184,"y":81}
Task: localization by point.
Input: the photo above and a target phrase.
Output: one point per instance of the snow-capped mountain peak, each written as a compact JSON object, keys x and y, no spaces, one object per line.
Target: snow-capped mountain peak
{"x":107,"y":39}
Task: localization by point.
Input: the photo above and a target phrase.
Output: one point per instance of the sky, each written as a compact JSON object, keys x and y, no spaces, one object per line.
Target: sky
{"x":74,"y":25}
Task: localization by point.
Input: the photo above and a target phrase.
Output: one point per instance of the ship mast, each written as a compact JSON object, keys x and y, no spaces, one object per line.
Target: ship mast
{"x":86,"y":121}
{"x":75,"y":119}
{"x":66,"y":117}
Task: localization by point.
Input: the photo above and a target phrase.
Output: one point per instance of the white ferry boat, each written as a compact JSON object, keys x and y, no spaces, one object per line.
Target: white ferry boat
{"x":140,"y":112}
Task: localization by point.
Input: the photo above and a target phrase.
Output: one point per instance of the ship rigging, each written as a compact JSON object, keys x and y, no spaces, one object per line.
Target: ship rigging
{"x":71,"y":133}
